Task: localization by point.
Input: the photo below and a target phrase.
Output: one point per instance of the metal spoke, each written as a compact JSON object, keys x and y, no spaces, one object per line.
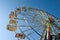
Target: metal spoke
{"x":29,"y":29}
{"x":23,"y":33}
{"x":34,"y":20}
{"x":32,"y":37}
{"x":56,"y":26}
{"x":33,"y":32}
{"x":44,"y":32}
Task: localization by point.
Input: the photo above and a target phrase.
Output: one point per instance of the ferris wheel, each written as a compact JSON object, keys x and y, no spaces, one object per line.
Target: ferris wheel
{"x":33,"y":24}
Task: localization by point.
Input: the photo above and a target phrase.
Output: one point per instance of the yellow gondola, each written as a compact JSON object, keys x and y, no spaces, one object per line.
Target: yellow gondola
{"x":12,"y":15}
{"x":11,"y":28}
{"x":13,"y":22}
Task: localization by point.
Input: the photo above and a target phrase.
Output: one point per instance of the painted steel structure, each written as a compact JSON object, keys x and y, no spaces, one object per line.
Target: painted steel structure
{"x":34,"y":24}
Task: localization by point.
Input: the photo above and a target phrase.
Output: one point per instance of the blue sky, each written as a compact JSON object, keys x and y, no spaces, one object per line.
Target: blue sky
{"x":6,"y":6}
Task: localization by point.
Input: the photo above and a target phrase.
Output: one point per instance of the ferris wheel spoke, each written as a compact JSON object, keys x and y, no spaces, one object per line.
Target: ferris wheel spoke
{"x":32,"y":37}
{"x":30,"y":16}
{"x":43,"y":33}
{"x":52,"y":30}
{"x":56,"y":26}
{"x":28,"y":38}
{"x":33,"y":20}
{"x":21,"y":30}
{"x":35,"y":31}
{"x":56,"y":29}
{"x":26,"y":14}
{"x":30,"y":29}
{"x":28,"y":35}
{"x":31,"y":33}
{"x":57,"y":21}
{"x":20,"y":19}
{"x":28,"y":26}
{"x":23,"y":26}
{"x":27,"y":19}
{"x":23,"y":33}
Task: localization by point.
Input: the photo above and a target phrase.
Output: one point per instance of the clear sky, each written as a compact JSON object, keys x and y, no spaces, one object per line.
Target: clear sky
{"x":6,"y":6}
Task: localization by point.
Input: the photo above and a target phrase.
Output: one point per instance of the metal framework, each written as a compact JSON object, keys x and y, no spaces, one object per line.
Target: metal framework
{"x":33,"y":24}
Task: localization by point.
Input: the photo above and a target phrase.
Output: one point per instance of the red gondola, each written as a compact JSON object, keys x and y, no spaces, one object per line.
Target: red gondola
{"x":20,"y":35}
